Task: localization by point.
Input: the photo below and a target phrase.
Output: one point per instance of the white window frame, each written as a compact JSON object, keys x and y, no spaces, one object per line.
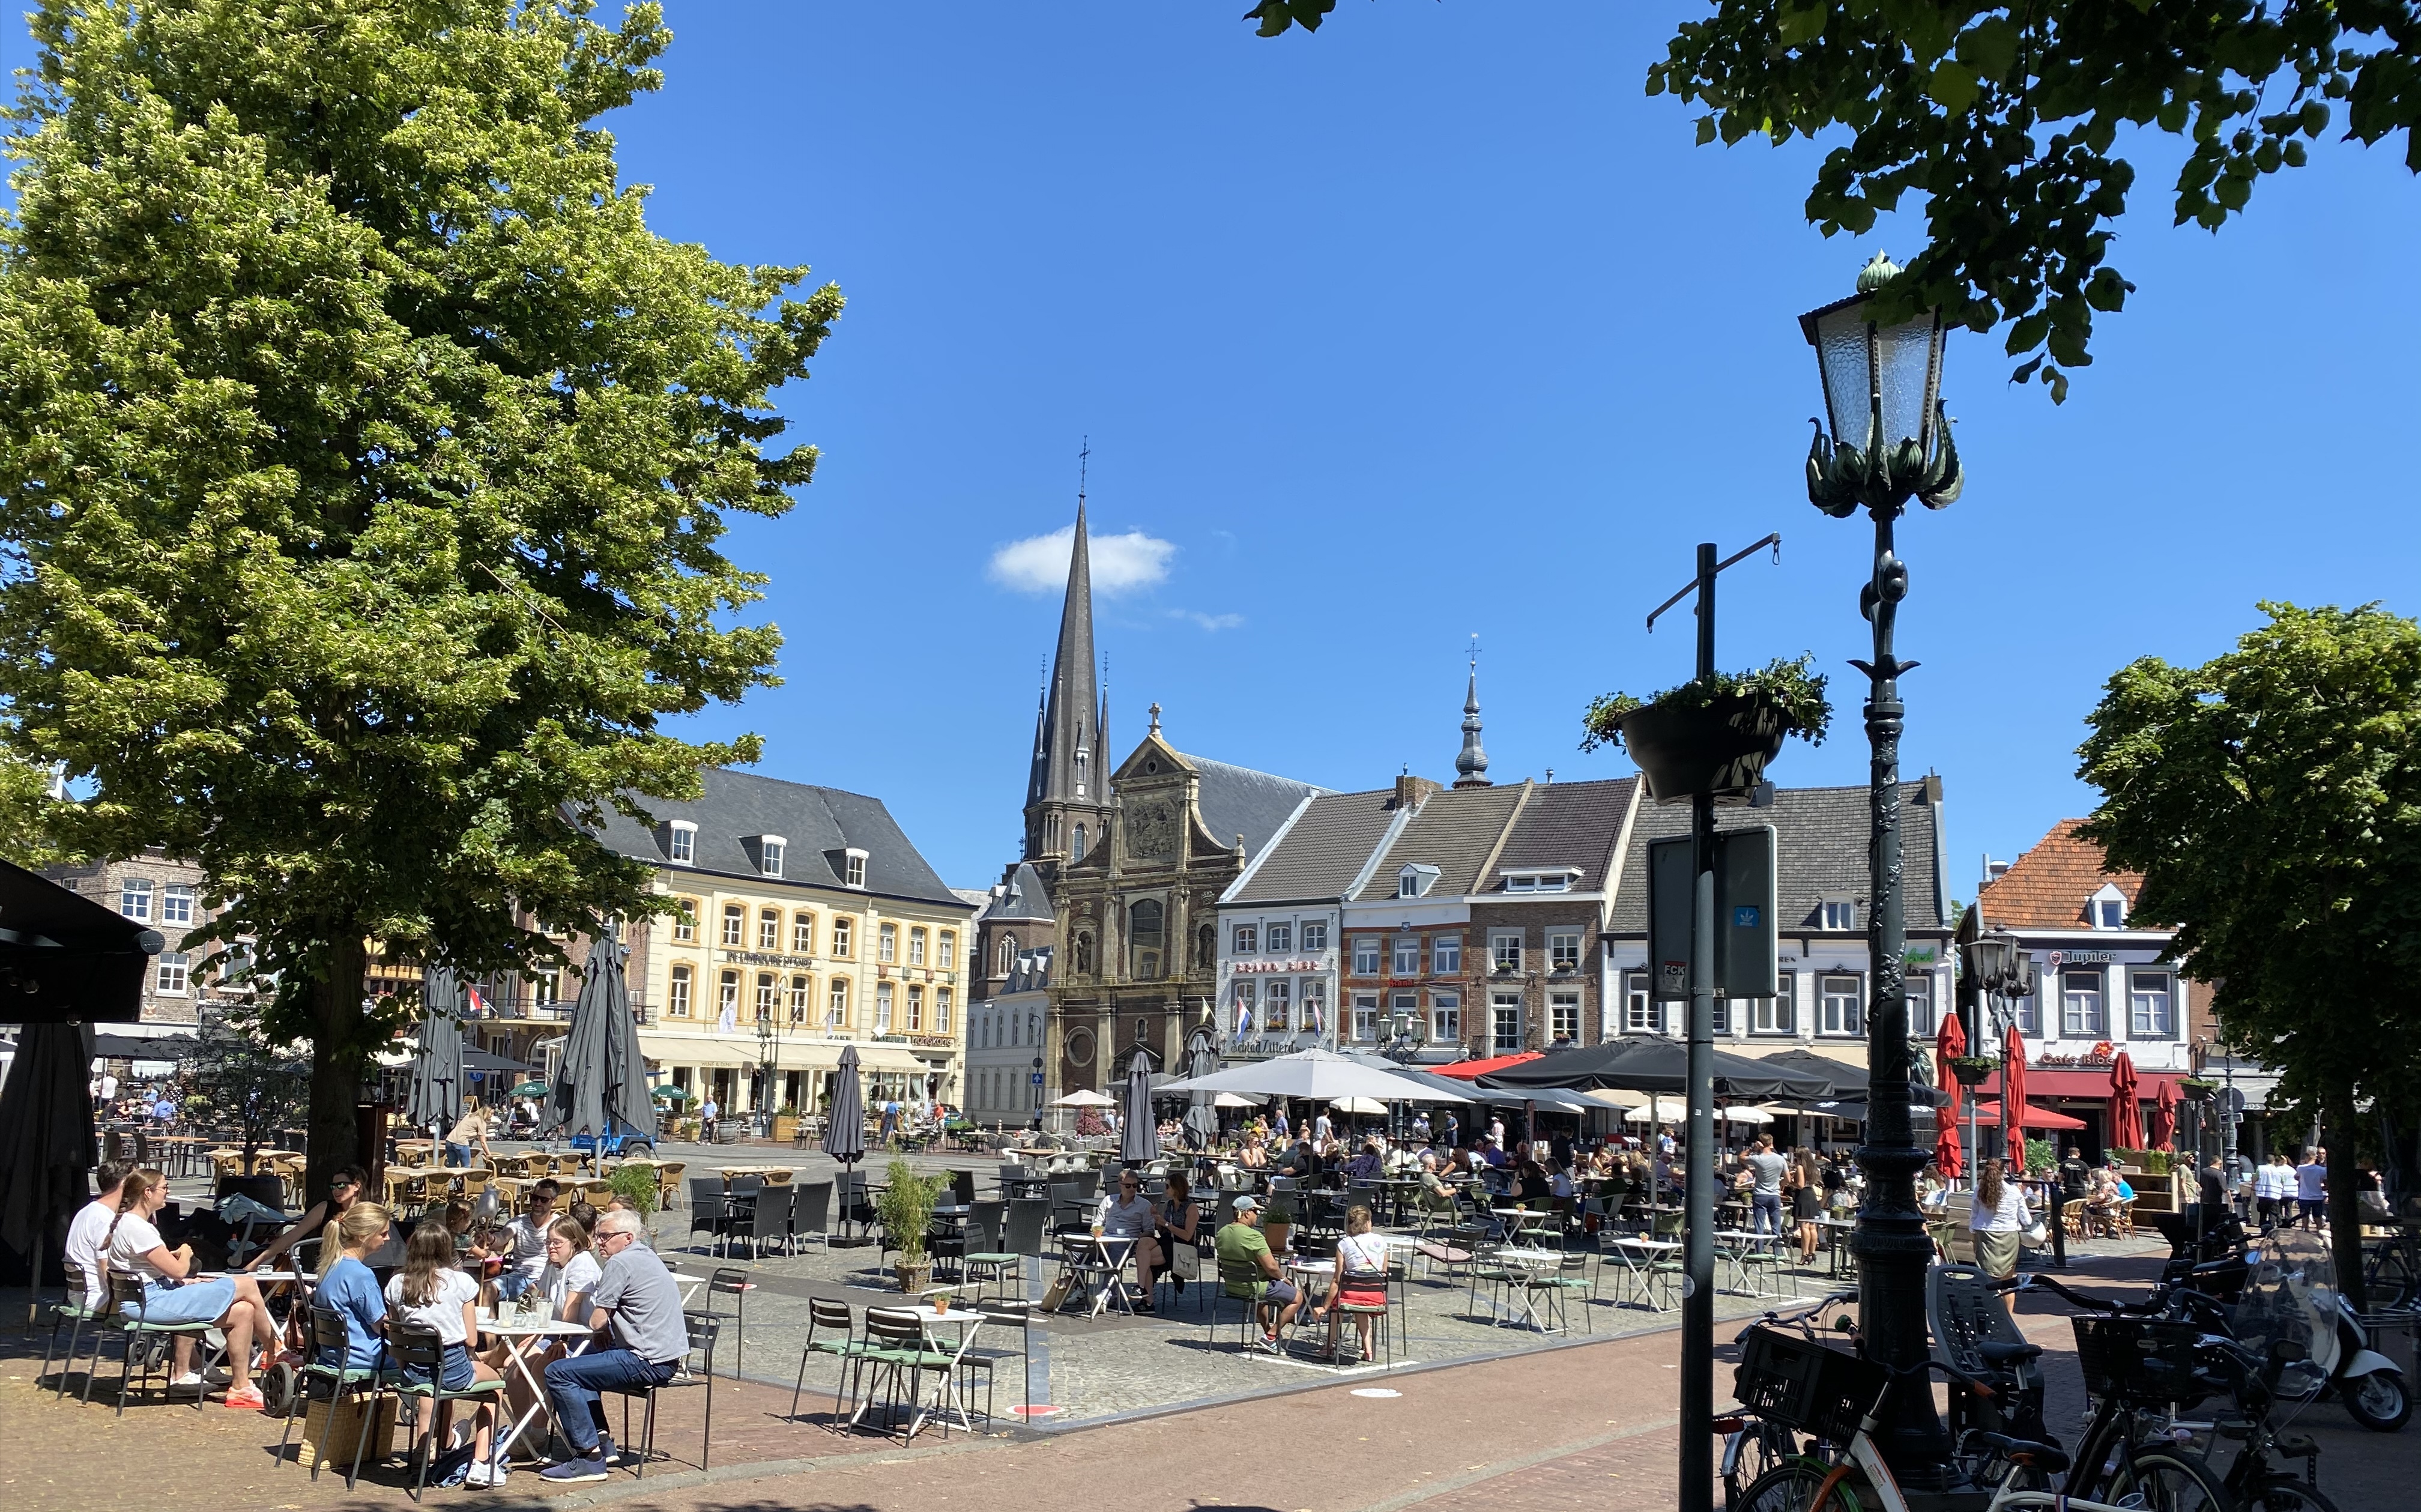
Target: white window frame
{"x":941,"y":1011}
{"x":1277,"y":938}
{"x":735,"y":925}
{"x":1505,"y":947}
{"x":680,"y":842}
{"x":1278,"y":1006}
{"x":837,"y":1006}
{"x":2151,"y":1009}
{"x":1367,"y":955}
{"x":1500,"y":1004}
{"x":769,"y":928}
{"x":2107,"y":907}
{"x":134,"y":897}
{"x":1564,"y":1016}
{"x":685,"y":920}
{"x":1365,"y":1015}
{"x":1919,"y":987}
{"x":1248,"y":939}
{"x":175,"y":973}
{"x":1314,"y":935}
{"x":843,"y":941}
{"x":802,"y":934}
{"x":2083,"y":1002}
{"x":802,"y":998}
{"x":1446,"y":955}
{"x":853,"y":869}
{"x":1446,"y":1016}
{"x":1404,"y":955}
{"x":1840,"y":1005}
{"x":886,"y":944}
{"x":945,"y":946}
{"x":915,"y":1007}
{"x":1838,"y":914}
{"x":1777,"y":1015}
{"x":677,"y":992}
{"x":1311,"y":1002}
{"x":176,"y":903}
{"x":1639,"y":1015}
{"x":771,"y":849}
{"x":1564,"y":950}
{"x":884,"y":999}
{"x":769,"y":997}
{"x":1243,"y":998}
{"x":918,"y":941}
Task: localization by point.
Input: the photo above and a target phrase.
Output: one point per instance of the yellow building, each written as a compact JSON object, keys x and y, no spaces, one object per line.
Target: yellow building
{"x":807,"y":922}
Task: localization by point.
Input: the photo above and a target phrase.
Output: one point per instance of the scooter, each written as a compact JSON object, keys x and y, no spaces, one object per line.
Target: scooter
{"x":2290,"y":1293}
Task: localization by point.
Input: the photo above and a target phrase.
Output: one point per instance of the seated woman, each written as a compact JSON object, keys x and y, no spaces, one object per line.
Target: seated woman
{"x":1361,"y":1278}
{"x":430,"y":1293}
{"x":1255,"y":1156}
{"x":570,"y":1277}
{"x":1180,"y":1224}
{"x":171,"y":1295}
{"x":349,"y":1290}
{"x":1800,"y":1189}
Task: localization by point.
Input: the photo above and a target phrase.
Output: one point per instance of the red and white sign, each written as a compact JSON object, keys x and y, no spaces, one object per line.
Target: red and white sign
{"x":1274,"y":967}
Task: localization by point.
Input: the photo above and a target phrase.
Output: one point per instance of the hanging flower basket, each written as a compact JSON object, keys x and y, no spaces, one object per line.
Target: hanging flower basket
{"x":1973,"y":1071}
{"x":1712,"y":735}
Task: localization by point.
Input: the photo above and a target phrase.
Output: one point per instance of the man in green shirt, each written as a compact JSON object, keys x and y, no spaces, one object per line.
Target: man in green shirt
{"x":1248,"y":1270}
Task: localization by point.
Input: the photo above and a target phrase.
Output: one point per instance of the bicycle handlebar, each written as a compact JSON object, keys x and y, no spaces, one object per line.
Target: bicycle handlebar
{"x":1774,"y":1315}
{"x":2036,"y":1280}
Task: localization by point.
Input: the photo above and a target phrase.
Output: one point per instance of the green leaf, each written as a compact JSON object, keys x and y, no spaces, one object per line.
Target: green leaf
{"x":1952,"y":86}
{"x":1990,"y":47}
{"x":1802,"y":24}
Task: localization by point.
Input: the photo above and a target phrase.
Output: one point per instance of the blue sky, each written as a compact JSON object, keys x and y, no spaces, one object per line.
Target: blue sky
{"x":1432,"y":324}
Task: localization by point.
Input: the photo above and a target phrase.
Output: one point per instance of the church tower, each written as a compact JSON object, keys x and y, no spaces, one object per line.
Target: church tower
{"x":1471,"y":764}
{"x":1066,"y":799}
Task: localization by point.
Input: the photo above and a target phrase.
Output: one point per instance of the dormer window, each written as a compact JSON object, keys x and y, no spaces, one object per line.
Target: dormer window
{"x":1839,"y":913}
{"x":680,"y":842}
{"x":767,"y":851}
{"x":1415,"y":880}
{"x":850,"y":864}
{"x":1558,"y":880}
{"x":2107,"y":909}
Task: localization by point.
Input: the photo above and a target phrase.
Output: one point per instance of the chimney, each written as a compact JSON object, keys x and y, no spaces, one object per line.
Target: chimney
{"x":1411,"y":791}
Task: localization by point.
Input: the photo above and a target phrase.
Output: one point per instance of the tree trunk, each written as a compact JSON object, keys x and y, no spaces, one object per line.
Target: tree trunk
{"x":2345,"y":1201}
{"x":337,"y":1053}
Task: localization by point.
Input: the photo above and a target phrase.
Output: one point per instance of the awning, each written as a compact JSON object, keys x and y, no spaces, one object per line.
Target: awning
{"x":789,"y":1055}
{"x":2092,"y":1082}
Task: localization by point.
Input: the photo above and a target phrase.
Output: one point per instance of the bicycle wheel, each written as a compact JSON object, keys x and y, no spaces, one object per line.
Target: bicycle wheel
{"x":2168,"y":1482}
{"x":2389,"y":1279}
{"x":1792,"y":1488}
{"x":1759,"y":1448}
{"x":2284,"y":1493}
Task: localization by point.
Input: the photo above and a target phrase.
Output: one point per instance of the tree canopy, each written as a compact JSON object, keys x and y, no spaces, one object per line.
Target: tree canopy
{"x":2008,"y":120}
{"x":2272,"y":800}
{"x":364,"y":460}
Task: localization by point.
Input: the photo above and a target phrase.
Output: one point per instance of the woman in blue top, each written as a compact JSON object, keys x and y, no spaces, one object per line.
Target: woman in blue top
{"x":349,"y":1289}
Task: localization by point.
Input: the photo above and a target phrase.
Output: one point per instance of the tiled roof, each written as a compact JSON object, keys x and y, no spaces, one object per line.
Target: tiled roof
{"x":1566,"y":825}
{"x":817,"y":822}
{"x":1023,"y":897}
{"x":1321,"y":854}
{"x":1238,"y":801}
{"x":1821,"y":834}
{"x":1454,"y":832}
{"x":2047,"y":887}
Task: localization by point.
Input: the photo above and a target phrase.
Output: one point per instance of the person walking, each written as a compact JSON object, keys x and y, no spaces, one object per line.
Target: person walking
{"x":1997,"y":1221}
{"x":2273,"y":1189}
{"x":2312,"y":1187}
{"x":1765,"y":1186}
{"x":708,"y":1113}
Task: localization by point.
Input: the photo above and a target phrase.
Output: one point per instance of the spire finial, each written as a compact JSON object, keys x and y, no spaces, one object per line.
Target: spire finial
{"x":1155,"y":719}
{"x":1083,"y":466}
{"x":1471,"y":766}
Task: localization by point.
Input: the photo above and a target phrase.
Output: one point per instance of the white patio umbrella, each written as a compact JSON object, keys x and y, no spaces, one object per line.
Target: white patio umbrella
{"x":1232,"y":1099}
{"x":1744,"y":1116}
{"x":1658,"y":1108}
{"x":1354,"y":1106}
{"x":1316,"y":1076}
{"x":1085,"y":1098}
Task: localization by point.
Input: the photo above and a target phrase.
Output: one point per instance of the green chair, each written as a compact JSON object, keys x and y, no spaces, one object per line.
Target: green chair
{"x":829,"y":1333}
{"x":70,"y":1311}
{"x":1241,"y":1280}
{"x":125,"y":1314}
{"x":330,"y":1340}
{"x":895,"y":1347}
{"x":1569,"y":1278}
{"x":419,"y":1349}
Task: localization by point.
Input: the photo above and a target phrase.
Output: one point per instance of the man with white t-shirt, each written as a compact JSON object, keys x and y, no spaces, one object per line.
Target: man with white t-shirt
{"x":90,"y":1228}
{"x":2273,"y":1188}
{"x":526,"y":1252}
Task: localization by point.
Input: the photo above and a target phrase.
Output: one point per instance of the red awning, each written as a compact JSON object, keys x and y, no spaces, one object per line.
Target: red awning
{"x":1470,"y":1069}
{"x":2092,"y":1082}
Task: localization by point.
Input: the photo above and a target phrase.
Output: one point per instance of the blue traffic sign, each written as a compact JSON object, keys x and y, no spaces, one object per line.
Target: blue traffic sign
{"x":1037,"y":1079}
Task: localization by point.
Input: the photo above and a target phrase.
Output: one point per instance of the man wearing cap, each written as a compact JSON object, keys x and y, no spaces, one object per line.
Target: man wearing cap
{"x":1248,"y":1270}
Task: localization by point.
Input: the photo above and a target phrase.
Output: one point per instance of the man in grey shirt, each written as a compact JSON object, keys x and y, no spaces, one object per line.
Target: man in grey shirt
{"x":1765,"y":1197}
{"x":637,"y":1297}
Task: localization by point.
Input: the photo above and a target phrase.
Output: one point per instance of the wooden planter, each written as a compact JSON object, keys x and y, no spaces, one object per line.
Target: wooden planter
{"x":1721,"y":748}
{"x":786,"y":1128}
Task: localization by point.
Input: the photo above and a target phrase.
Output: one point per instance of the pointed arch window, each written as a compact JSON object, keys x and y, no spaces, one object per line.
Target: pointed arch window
{"x":1076,"y":851}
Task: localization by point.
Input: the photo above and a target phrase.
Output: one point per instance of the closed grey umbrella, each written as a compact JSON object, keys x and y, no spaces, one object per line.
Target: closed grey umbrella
{"x":1201,"y":1115}
{"x":436,"y":1095}
{"x":601,"y":1087}
{"x":845,"y":1130}
{"x":46,"y":1127}
{"x":1139,"y":1131}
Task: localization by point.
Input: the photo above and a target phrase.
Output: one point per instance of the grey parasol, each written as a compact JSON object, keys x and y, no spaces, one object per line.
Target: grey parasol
{"x":46,"y":1127}
{"x":845,"y":1126}
{"x":1139,"y":1131}
{"x":601,"y":1087}
{"x":1201,"y":1115}
{"x":435,"y":1096}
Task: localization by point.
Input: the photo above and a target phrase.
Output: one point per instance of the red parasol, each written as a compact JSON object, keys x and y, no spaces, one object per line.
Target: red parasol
{"x":2164,"y":1117}
{"x":2126,"y":1112}
{"x":2013,"y":1100}
{"x":1952,"y":1041}
{"x":2030,"y":1117}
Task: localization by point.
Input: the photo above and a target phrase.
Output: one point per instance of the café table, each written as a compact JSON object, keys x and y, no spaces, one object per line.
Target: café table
{"x":1836,"y":1232}
{"x":525,"y":1335}
{"x":1525,"y":1261}
{"x":1733,"y":1246}
{"x":1103,"y":1256}
{"x":946,"y":1402}
{"x":1639,"y":1258}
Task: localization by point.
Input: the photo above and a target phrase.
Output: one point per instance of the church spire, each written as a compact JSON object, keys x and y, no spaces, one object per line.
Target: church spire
{"x":1068,"y":751}
{"x":1471,"y":766}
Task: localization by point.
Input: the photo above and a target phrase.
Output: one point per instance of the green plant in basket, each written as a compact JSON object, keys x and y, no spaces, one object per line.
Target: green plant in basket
{"x":636,"y":1185}
{"x":1794,"y":694}
{"x":905,"y":1208}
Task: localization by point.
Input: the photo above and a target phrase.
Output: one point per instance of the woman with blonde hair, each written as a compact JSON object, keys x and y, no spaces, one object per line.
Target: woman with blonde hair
{"x":1361,"y":1278}
{"x":349,"y":1289}
{"x":1999,"y":1216}
{"x":171,"y":1295}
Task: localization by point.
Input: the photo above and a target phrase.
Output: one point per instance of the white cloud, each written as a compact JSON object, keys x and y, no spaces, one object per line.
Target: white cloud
{"x":1120,"y":564}
{"x":1210,"y":622}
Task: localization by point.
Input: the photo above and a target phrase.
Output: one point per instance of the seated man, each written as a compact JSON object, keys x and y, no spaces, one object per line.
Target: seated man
{"x":1248,"y":1270}
{"x":637,"y":1297}
{"x":524,"y":1247}
{"x":1127,"y":1214}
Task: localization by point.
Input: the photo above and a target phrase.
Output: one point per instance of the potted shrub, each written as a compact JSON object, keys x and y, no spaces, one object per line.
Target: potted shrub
{"x":905,"y":1209}
{"x":636,"y":1185}
{"x":1712,"y":735}
{"x":1277,"y":1223}
{"x":1973,"y":1070}
{"x":786,"y":1123}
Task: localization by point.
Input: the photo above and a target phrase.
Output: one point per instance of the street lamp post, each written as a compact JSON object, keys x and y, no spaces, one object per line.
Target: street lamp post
{"x":1889,"y":442}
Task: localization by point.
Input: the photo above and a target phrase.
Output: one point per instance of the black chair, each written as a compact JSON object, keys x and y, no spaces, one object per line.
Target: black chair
{"x":740,"y":1219}
{"x":704,"y":1329}
{"x":340,"y":1381}
{"x":811,"y":1215}
{"x":990,"y":1358}
{"x":420,"y":1352}
{"x":706,"y":1208}
{"x":963,"y":1186}
{"x":776,"y":1205}
{"x":945,"y":1241}
{"x":1088,"y":1183}
{"x":854,"y":1205}
{"x":732,"y":1282}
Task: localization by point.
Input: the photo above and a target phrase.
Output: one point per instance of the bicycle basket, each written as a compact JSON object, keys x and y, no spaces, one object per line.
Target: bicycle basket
{"x":2141,"y":1360}
{"x":1802,"y":1384}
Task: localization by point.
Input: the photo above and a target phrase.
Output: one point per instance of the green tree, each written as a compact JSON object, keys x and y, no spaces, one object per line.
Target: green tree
{"x":247,"y":1078}
{"x":2007,"y":120}
{"x":363,"y":463}
{"x":2272,"y":799}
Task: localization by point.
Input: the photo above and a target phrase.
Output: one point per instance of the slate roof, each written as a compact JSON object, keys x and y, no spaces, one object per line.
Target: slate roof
{"x":1238,"y":801}
{"x":1454,"y":832}
{"x":1821,"y":834}
{"x":1323,"y":852}
{"x":1023,"y":897}
{"x":813,"y":819}
{"x":2047,"y":887}
{"x":1566,"y":825}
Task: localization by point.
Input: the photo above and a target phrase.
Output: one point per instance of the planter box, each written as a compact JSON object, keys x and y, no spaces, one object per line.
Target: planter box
{"x":786,"y":1128}
{"x":1720,"y":749}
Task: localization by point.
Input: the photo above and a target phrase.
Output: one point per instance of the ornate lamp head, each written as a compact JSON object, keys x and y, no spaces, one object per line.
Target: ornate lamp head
{"x":1890,"y":441}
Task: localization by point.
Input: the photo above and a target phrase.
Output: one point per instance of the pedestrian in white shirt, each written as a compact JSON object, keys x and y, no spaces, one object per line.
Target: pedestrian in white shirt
{"x":1996,"y":1219}
{"x":88,"y":1231}
{"x":2274,"y":1187}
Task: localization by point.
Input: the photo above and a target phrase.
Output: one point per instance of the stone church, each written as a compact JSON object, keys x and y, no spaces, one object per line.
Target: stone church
{"x":1122,"y":869}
